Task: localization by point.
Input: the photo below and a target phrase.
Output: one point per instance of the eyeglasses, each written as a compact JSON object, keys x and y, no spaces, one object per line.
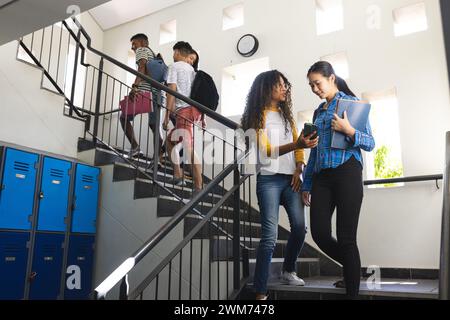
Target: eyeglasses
{"x":281,"y":86}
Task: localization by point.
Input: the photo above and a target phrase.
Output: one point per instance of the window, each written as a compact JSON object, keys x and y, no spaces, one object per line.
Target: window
{"x":339,"y":62}
{"x":168,"y":32}
{"x":386,"y":160}
{"x":410,"y":19}
{"x":233,"y":16}
{"x":329,"y":16}
{"x":236,"y":83}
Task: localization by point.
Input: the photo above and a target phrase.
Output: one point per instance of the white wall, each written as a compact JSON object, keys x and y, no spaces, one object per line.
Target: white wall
{"x":399,"y":227}
{"x":33,"y":117}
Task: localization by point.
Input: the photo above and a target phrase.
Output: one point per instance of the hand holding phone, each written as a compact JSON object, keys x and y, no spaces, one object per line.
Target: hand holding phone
{"x":309,"y":139}
{"x":309,"y":129}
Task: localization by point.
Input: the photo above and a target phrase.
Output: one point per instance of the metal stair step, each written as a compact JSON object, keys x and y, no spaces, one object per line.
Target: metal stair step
{"x":306,"y":268}
{"x":168,"y":207}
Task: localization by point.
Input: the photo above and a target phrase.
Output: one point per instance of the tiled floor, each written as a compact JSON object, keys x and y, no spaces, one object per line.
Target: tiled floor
{"x":401,"y":288}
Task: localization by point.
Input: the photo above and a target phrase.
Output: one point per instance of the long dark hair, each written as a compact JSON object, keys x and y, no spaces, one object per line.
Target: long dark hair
{"x":260,"y":96}
{"x":326,"y":69}
{"x":197,"y":61}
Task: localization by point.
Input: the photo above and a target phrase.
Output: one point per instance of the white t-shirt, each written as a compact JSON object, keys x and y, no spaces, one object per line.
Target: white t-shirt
{"x":182,"y":74}
{"x":277,"y":136}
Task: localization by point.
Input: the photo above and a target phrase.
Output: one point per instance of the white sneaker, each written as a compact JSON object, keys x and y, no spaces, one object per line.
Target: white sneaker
{"x":291,"y":279}
{"x":135,"y":152}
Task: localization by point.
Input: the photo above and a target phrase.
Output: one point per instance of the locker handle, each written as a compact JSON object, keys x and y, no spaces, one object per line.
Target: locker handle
{"x":33,"y":276}
{"x":41,"y":195}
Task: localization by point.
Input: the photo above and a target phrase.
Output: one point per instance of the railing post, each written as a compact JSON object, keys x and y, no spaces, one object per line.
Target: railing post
{"x":157,"y":102}
{"x":124,"y":289}
{"x":245,"y":262}
{"x":236,"y":224}
{"x":74,"y":77}
{"x":98,"y":98}
{"x":444,"y":271}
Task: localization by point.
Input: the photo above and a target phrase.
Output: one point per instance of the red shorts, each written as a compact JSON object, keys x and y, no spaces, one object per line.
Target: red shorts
{"x":185,"y":119}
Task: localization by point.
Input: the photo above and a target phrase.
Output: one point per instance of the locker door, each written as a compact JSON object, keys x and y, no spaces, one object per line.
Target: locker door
{"x":54,"y":195}
{"x":13,"y":264}
{"x":46,"y":268}
{"x":80,"y":263}
{"x":17,"y":190}
{"x":85,"y":199}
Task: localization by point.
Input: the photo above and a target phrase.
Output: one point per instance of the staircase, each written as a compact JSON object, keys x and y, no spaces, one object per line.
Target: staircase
{"x":317,"y":270}
{"x":219,"y":230}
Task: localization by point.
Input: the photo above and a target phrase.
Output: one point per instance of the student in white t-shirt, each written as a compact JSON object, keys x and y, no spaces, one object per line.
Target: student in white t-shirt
{"x":180,"y":78}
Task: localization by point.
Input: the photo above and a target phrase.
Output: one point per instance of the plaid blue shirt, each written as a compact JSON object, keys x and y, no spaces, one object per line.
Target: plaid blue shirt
{"x":323,"y":156}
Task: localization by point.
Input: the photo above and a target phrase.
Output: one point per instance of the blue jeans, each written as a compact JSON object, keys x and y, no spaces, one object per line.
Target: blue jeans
{"x":273,"y":191}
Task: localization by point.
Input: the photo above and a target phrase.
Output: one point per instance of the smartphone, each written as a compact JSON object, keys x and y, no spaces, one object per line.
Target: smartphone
{"x":310,"y":128}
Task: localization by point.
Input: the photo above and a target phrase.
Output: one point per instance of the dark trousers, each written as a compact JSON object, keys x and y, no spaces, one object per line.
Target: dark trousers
{"x":340,"y":188}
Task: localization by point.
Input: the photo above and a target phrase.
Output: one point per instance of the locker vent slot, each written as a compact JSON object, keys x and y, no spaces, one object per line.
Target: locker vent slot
{"x":21,"y":166}
{"x":49,"y":250}
{"x":56,"y":173}
{"x":88,"y":179}
{"x":11,"y":249}
{"x":83,"y":250}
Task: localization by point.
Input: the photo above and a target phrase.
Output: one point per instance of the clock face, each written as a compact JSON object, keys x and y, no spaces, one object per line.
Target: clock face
{"x":247,"y":45}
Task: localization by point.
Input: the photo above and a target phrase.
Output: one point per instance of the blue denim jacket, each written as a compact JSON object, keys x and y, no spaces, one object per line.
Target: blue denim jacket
{"x":323,"y":156}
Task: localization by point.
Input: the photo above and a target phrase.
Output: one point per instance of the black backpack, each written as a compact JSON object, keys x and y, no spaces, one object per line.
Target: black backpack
{"x":204,"y":91}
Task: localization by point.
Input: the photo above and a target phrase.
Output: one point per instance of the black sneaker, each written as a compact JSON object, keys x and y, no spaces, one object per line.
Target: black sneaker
{"x":339,"y":284}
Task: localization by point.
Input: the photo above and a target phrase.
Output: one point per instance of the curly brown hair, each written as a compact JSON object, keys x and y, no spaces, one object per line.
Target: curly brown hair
{"x":260,"y":96}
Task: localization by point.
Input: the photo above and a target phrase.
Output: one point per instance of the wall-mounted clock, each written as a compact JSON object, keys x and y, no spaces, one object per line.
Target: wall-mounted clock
{"x":247,"y":45}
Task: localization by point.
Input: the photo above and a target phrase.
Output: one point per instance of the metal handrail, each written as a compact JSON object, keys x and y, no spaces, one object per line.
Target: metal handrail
{"x":186,"y":239}
{"x":435,"y":177}
{"x":203,"y":109}
{"x":121,"y":272}
{"x":60,"y":91}
{"x":128,"y":87}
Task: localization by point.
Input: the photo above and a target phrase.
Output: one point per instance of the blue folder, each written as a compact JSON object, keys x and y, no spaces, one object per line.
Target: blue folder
{"x":358,"y":115}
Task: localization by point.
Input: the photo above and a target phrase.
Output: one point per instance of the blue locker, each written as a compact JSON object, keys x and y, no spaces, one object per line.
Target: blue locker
{"x":13,"y":264}
{"x":80,"y":263}
{"x":17,"y":190}
{"x":54,"y":195}
{"x":85,"y":199}
{"x":46,"y":267}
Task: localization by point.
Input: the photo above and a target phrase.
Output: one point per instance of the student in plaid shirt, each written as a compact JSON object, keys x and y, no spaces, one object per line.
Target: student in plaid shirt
{"x":333,"y":177}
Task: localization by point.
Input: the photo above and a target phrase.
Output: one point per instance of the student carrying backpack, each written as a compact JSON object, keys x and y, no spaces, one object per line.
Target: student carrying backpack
{"x":204,"y":91}
{"x":157,"y":69}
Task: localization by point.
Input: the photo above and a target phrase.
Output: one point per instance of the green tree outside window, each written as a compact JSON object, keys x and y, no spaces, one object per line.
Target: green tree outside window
{"x":386,"y":168}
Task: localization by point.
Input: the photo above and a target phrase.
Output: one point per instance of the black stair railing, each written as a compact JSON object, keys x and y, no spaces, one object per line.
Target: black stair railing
{"x":223,"y":206}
